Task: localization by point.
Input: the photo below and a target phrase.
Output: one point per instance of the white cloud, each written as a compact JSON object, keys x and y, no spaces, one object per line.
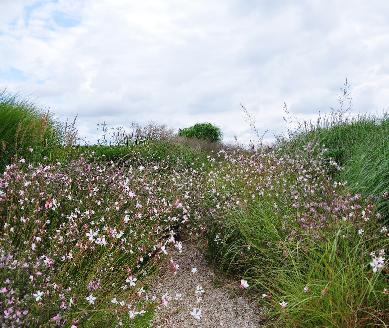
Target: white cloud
{"x":180,"y":62}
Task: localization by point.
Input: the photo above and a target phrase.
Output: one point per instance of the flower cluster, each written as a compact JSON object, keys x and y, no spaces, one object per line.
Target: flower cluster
{"x":73,"y":236}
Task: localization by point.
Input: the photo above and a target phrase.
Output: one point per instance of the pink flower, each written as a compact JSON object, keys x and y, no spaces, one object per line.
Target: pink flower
{"x":164,"y":300}
{"x":56,"y":318}
{"x":131,"y":194}
{"x":174,"y":266}
{"x":244,"y":284}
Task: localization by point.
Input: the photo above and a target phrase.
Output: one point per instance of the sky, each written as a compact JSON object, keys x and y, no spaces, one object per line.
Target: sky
{"x":179,"y":62}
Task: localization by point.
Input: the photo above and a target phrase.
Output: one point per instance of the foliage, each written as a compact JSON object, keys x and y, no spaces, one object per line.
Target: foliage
{"x":152,"y":151}
{"x":78,"y":241}
{"x":84,"y":228}
{"x":23,"y":128}
{"x":360,"y":146}
{"x":205,"y":131}
{"x":137,"y":133}
{"x":308,"y":248}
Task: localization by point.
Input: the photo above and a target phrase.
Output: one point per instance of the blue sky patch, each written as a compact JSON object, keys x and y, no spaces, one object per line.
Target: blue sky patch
{"x":31,"y":8}
{"x":12,"y":74}
{"x":65,"y":20}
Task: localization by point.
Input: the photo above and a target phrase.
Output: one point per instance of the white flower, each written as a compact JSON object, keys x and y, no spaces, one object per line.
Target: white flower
{"x":244,"y":284}
{"x":91,"y":235}
{"x":101,"y":241}
{"x":199,"y":290}
{"x":131,"y":280}
{"x":38,"y":295}
{"x":141,"y":291}
{"x":132,"y":314}
{"x":378,"y":262}
{"x":196,"y":313}
{"x":163,"y":249}
{"x":178,"y":245}
{"x":360,"y":232}
{"x":91,"y":299}
{"x":283,"y":304}
{"x":114,"y":301}
{"x":194,"y":270}
{"x":306,"y":289}
{"x":165,"y":299}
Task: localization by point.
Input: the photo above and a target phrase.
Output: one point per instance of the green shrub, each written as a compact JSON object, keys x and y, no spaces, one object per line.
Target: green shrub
{"x":205,"y":131}
{"x":24,"y":131}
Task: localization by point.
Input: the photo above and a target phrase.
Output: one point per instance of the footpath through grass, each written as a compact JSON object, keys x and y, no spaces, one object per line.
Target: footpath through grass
{"x":82,"y":229}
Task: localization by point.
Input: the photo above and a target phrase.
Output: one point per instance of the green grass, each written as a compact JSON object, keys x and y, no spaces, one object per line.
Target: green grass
{"x":360,"y":146}
{"x":23,"y":126}
{"x":263,"y":241}
{"x":151,"y":151}
{"x":343,"y":292}
{"x":322,"y":272}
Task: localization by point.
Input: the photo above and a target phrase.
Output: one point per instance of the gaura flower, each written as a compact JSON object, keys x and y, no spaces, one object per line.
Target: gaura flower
{"x":91,"y":299}
{"x":244,"y":284}
{"x":196,"y":313}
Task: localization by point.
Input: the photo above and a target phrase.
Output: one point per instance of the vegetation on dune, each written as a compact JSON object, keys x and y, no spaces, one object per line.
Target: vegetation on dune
{"x":24,"y":128}
{"x":84,"y":228}
{"x":79,"y":241}
{"x":151,"y":151}
{"x":313,"y":253}
{"x":360,"y":146}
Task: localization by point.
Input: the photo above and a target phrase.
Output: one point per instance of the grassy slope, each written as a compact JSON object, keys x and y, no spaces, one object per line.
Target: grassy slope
{"x":342,"y":291}
{"x":335,"y":267}
{"x":23,"y":126}
{"x":361,"y":147}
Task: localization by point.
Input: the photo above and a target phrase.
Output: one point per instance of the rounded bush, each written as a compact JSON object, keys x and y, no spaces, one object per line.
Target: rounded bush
{"x":204,"y":131}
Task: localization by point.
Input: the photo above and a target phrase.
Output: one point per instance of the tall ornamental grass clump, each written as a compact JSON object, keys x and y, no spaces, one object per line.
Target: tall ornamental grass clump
{"x":24,"y":130}
{"x":313,"y":253}
{"x":367,"y":169}
{"x":360,"y":146}
{"x":78,"y":241}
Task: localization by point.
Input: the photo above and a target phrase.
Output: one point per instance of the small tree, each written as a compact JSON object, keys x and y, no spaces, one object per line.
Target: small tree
{"x":204,"y":131}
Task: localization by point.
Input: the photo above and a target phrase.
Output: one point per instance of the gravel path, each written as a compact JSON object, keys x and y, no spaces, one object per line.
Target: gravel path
{"x":196,"y":286}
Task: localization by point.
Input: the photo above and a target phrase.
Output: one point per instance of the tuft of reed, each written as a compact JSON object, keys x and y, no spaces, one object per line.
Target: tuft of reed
{"x":24,"y":130}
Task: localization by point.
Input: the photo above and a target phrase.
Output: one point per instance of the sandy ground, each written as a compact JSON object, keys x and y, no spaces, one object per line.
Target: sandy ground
{"x":222,"y":303}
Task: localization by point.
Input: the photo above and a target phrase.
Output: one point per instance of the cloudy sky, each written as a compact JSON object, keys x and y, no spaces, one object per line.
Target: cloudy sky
{"x":180,"y":62}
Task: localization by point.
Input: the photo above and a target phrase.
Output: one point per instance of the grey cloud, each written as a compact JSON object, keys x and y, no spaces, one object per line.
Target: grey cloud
{"x":179,"y":62}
